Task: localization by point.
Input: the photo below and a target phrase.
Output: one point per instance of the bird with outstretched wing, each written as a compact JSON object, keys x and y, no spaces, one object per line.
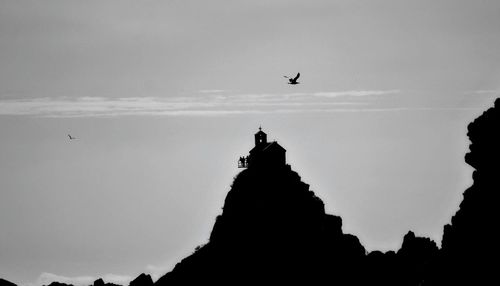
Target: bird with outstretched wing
{"x":293,"y":80}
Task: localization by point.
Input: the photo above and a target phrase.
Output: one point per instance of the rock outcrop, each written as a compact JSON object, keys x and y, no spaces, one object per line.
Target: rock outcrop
{"x":273,"y":229}
{"x":469,"y":246}
{"x":4,"y":282}
{"x":142,"y":280}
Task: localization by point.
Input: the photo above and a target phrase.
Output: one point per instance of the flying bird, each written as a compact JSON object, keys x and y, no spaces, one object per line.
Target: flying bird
{"x":71,"y":137}
{"x":293,"y":80}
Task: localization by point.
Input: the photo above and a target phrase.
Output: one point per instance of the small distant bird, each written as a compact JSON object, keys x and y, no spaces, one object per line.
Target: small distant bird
{"x":71,"y":137}
{"x":293,"y":80}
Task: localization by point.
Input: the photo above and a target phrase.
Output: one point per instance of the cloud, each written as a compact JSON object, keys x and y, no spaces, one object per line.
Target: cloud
{"x":117,"y":279}
{"x":212,"y":90}
{"x":209,"y":105}
{"x":487,"y":91}
{"x":46,"y":278}
{"x":204,"y":105}
{"x":98,"y":106}
{"x":356,"y":93}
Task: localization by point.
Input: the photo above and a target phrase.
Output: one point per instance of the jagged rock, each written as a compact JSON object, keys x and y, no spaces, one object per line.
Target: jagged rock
{"x":415,"y":259}
{"x":55,"y":283}
{"x":100,"y":282}
{"x":142,"y":280}
{"x":470,"y":242}
{"x":4,"y":282}
{"x":417,"y":248}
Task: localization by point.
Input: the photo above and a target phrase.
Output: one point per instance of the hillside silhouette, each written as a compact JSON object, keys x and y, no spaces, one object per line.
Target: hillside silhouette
{"x":470,"y":243}
{"x":4,"y":282}
{"x":274,"y":229}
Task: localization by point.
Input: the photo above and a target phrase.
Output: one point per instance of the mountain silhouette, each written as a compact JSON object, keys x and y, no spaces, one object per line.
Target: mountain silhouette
{"x":4,"y":282}
{"x":274,"y":229}
{"x":470,"y":243}
{"x":100,"y":282}
{"x":142,"y":280}
{"x":55,"y":283}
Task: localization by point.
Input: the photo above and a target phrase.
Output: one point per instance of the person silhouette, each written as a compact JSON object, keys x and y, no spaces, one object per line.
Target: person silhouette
{"x":241,"y":162}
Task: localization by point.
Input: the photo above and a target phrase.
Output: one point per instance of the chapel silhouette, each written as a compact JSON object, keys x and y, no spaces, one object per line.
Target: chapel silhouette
{"x":264,"y":154}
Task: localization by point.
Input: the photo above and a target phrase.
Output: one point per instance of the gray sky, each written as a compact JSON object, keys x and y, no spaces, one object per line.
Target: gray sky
{"x":161,"y":92}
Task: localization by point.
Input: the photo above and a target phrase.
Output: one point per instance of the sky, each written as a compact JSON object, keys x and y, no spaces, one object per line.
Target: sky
{"x":165,"y":96}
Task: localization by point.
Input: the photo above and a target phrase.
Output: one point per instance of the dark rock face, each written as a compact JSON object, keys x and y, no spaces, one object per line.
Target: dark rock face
{"x":100,"y":282}
{"x":274,"y":229}
{"x":410,"y":265}
{"x":55,"y":283}
{"x":142,"y":280}
{"x":4,"y":282}
{"x":469,"y":246}
{"x":415,"y":259}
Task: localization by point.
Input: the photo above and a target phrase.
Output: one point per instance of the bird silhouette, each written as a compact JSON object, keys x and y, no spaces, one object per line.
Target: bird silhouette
{"x":293,"y":80}
{"x":71,"y":137}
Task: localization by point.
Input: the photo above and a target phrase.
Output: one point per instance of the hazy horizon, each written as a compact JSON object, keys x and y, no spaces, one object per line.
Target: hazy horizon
{"x":159,"y":93}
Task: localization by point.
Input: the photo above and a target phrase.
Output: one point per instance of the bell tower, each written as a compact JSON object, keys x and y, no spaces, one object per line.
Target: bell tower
{"x":260,"y":137}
